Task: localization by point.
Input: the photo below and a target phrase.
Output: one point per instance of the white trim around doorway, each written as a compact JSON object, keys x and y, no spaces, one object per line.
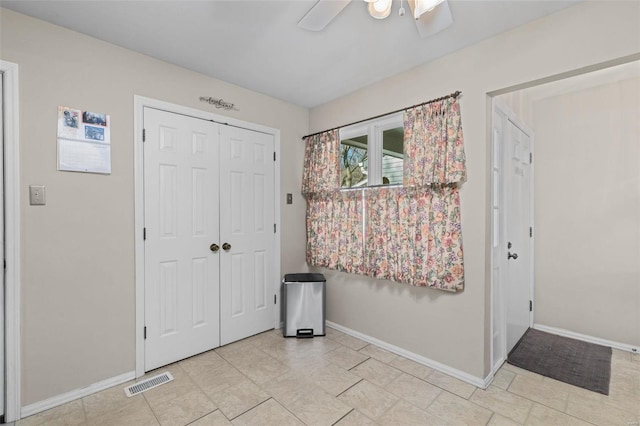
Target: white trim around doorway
{"x":139,"y":103}
{"x":12,"y":240}
{"x":498,"y":260}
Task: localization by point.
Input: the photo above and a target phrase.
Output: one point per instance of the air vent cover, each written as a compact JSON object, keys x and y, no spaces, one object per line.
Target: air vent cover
{"x":150,"y":383}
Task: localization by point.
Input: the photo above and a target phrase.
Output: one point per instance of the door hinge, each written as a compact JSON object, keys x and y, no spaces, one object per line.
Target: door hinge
{"x":274,"y":299}
{"x":144,"y":135}
{"x":5,"y":264}
{"x":274,"y":156}
{"x":531,"y":231}
{"x":530,"y":305}
{"x":144,"y":233}
{"x":274,"y":228}
{"x":531,"y":158}
{"x":145,"y":332}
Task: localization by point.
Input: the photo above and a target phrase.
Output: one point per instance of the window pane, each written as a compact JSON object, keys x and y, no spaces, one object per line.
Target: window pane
{"x":354,"y":162}
{"x":392,"y":156}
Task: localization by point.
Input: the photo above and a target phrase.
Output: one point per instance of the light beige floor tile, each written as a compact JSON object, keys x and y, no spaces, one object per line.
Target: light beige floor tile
{"x":239,"y":398}
{"x":218,"y":379}
{"x":267,"y":413}
{"x":265,"y":339}
{"x":546,"y":393}
{"x":413,"y":390}
{"x":458,"y":411}
{"x":199,"y":363}
{"x":378,"y":353}
{"x":368,"y":398}
{"x":318,"y":408}
{"x":213,"y":419}
{"x":136,"y":413}
{"x":110,"y":400}
{"x":451,"y":384}
{"x":332,"y":333}
{"x":351,"y":342}
{"x":411,"y":367}
{"x":356,"y":418}
{"x":503,"y":378}
{"x":287,"y":387}
{"x":405,"y":414}
{"x":617,"y":354}
{"x":502,"y":402}
{"x":545,"y":416}
{"x":345,"y":357}
{"x":376,"y":372}
{"x":69,"y":414}
{"x":183,"y":409}
{"x":598,"y":409}
{"x":333,"y":379}
{"x":498,"y":420}
{"x":256,"y":365}
{"x":521,"y":371}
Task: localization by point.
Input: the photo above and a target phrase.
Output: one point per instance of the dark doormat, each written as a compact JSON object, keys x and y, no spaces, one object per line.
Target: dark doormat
{"x":578,"y":363}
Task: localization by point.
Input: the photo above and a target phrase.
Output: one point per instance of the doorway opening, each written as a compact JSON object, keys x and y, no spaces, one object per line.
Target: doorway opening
{"x":586,"y":160}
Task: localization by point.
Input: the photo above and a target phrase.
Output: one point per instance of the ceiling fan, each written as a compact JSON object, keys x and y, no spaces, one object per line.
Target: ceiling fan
{"x":431,"y":16}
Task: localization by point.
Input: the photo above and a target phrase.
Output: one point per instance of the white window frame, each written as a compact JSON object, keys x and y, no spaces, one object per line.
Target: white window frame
{"x":373,"y":129}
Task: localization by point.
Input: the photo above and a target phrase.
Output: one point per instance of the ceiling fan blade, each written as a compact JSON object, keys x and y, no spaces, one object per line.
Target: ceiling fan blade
{"x":321,"y":14}
{"x":434,"y":21}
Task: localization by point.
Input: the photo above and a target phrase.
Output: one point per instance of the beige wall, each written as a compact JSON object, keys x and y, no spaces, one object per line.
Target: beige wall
{"x":454,"y":328}
{"x":78,"y":284}
{"x":587,"y":211}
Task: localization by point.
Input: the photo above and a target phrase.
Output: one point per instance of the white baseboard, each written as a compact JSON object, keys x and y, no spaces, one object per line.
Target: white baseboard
{"x":586,"y":338}
{"x":443,"y":368}
{"x":37,"y":407}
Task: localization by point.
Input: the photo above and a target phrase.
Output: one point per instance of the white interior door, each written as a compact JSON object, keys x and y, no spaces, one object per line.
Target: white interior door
{"x":247,"y":226}
{"x":518,"y":232}
{"x":181,"y":214}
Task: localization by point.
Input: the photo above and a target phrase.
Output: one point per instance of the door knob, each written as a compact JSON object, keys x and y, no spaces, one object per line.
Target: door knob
{"x":226,"y":247}
{"x":513,"y":256}
{"x":214,"y":248}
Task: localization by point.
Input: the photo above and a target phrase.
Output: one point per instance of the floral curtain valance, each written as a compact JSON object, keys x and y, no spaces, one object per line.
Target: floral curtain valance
{"x":433,"y":144}
{"x":321,"y":172}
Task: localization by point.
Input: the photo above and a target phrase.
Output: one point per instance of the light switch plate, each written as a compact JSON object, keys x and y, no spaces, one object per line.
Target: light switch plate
{"x":289,"y":198}
{"x":37,"y":195}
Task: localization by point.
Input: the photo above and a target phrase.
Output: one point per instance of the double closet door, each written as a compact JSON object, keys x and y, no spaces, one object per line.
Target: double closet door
{"x":209,"y":235}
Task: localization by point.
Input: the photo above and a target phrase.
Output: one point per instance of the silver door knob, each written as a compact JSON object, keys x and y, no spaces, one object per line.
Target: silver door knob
{"x":226,"y":247}
{"x":513,"y":256}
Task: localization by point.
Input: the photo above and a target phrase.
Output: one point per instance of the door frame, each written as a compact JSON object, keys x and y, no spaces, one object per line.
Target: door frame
{"x":11,"y":152}
{"x":140,"y":102}
{"x":498,"y":258}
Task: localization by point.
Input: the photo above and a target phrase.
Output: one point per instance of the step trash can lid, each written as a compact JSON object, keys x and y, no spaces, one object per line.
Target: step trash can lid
{"x":304,"y":278}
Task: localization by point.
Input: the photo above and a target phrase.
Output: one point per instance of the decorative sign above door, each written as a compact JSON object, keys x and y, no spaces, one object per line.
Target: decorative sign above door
{"x":219,"y":103}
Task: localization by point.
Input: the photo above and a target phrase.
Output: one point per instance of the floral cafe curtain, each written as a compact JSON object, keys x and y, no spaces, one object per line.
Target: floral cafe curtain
{"x":334,"y":218}
{"x":409,"y":234}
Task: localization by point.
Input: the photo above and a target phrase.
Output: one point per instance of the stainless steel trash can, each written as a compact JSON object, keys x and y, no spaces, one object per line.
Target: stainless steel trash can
{"x":304,"y":305}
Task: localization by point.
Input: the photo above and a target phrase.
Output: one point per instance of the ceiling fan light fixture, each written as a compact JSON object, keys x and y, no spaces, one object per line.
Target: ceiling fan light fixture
{"x":423,"y":6}
{"x":380,"y":9}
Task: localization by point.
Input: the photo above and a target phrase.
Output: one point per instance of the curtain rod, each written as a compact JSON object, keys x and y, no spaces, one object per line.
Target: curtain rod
{"x":452,"y":95}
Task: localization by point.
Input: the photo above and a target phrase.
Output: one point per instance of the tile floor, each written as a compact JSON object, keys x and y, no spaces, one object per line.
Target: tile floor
{"x":338,"y":379}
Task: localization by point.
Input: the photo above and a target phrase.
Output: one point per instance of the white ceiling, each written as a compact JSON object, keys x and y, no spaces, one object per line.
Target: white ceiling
{"x":257,"y":44}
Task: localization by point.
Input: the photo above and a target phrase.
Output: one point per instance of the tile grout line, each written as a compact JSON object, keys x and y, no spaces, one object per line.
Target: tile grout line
{"x":338,"y":421}
{"x":360,"y":363}
{"x":246,"y":411}
{"x":361,"y":380}
{"x":155,"y":416}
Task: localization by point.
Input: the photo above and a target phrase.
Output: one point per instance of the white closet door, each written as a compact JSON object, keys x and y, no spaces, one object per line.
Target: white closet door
{"x":247,"y":226}
{"x":181,"y":168}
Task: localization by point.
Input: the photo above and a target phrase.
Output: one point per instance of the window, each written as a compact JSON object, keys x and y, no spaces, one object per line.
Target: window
{"x":372,"y":153}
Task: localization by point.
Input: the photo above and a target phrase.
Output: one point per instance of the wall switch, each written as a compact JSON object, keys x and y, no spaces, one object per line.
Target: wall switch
{"x":289,"y":198}
{"x":37,"y":195}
